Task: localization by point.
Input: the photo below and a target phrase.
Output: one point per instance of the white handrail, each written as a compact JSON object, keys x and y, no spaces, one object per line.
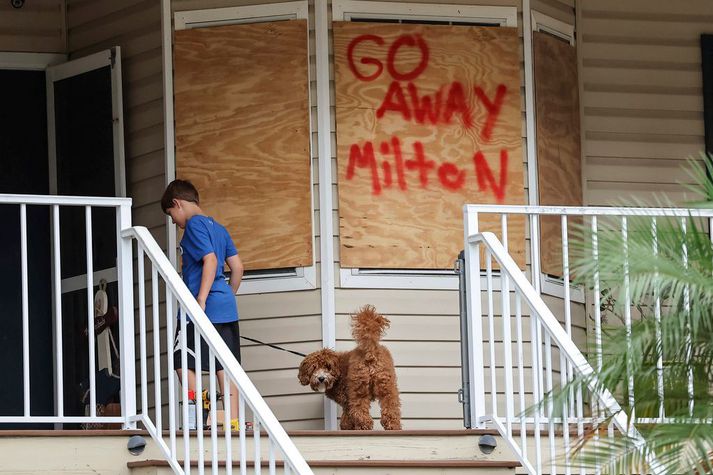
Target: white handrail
{"x":221,"y":351}
{"x":97,"y":201}
{"x":590,"y":211}
{"x":554,"y":329}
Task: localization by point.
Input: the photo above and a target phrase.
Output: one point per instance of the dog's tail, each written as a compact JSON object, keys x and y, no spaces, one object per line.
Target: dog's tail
{"x":368,"y":326}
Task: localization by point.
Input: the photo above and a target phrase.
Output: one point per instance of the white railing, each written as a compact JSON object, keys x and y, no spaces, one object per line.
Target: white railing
{"x":54,"y":206}
{"x":155,"y":402}
{"x":179,"y":300}
{"x":508,"y":377}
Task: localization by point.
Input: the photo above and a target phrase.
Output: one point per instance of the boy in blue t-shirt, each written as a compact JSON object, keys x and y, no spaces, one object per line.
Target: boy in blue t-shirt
{"x":205,"y":249}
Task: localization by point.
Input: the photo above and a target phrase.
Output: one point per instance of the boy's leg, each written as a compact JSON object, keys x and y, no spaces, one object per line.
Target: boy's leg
{"x":190,"y":377}
{"x":233,"y":394}
{"x":230,"y":332}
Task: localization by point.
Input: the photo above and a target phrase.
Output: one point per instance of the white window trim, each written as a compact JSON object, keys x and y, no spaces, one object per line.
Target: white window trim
{"x":550,"y":285}
{"x":345,"y":10}
{"x":30,"y":61}
{"x":558,"y":28}
{"x":303,"y":278}
{"x":554,"y":287}
{"x":236,"y":15}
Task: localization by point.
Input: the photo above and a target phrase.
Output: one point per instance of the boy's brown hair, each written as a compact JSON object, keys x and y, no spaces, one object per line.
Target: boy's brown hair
{"x":178,"y":190}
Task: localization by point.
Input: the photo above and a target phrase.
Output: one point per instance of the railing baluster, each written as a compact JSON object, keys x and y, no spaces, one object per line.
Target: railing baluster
{"x":657,"y":317}
{"x":243,"y":440}
{"x":256,"y":439}
{"x":142,"y":330}
{"x":227,"y":426}
{"x":535,"y":250}
{"x":491,"y":332}
{"x":507,"y":337}
{"x":183,"y":341}
{"x":597,"y":318}
{"x":199,"y":397}
{"x":565,"y":366}
{"x":271,"y":459}
{"x":627,"y":313}
{"x":25,"y":312}
{"x":170,"y":348}
{"x":565,"y":414}
{"x":687,"y":309}
{"x":213,"y":412}
{"x":57,"y":297}
{"x":90,"y":312}
{"x":550,"y":407}
{"x":521,"y":374}
{"x":536,"y":398}
{"x":156,"y":349}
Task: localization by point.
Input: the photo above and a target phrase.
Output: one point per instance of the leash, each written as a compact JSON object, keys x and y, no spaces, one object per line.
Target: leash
{"x":273,"y":346}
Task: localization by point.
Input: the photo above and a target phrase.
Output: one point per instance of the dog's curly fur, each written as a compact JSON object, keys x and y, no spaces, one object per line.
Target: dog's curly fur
{"x":355,"y":378}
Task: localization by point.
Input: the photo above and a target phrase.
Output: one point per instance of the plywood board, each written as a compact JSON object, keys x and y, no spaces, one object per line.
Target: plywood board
{"x":428,"y":119}
{"x":242,"y":135}
{"x":559,"y":162}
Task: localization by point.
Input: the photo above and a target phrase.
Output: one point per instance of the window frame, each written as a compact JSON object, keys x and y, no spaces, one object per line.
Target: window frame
{"x":300,"y":278}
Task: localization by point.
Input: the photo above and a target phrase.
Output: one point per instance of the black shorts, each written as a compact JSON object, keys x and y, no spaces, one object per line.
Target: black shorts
{"x":229,"y":332}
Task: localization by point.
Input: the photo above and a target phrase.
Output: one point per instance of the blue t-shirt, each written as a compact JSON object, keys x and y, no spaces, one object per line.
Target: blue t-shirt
{"x":202,"y":236}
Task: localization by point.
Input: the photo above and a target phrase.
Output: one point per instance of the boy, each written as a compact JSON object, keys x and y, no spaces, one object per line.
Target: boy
{"x":205,"y":248}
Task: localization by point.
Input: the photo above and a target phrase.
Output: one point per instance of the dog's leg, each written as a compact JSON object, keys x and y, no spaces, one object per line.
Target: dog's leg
{"x":359,"y":399}
{"x":346,"y":421}
{"x":387,"y":393}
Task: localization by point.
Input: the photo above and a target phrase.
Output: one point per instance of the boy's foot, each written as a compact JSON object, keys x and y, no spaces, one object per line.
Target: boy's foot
{"x":234,"y":425}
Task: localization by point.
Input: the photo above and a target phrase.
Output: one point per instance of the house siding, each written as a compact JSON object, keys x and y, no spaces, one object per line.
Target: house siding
{"x":640,"y":69}
{"x":135,"y":26}
{"x":37,"y":27}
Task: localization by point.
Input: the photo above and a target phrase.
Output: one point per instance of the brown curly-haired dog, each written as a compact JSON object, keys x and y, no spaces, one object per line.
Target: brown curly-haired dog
{"x":355,"y":378}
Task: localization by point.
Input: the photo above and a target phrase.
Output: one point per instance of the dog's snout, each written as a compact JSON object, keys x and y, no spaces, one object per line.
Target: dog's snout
{"x":321,"y":379}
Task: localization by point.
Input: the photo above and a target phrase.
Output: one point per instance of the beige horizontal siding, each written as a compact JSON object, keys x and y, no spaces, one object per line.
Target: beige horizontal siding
{"x":641,"y":97}
{"x":562,"y":10}
{"x":37,"y":27}
{"x":135,"y":26}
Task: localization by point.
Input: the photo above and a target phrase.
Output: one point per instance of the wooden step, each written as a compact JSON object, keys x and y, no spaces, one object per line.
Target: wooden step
{"x":344,"y":452}
{"x":353,"y":467}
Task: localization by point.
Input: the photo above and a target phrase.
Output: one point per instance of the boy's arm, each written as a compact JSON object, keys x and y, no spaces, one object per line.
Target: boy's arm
{"x":210,"y":265}
{"x":236,"y":271}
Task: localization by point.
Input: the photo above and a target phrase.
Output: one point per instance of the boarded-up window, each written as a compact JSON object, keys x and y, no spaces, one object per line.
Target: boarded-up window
{"x":559,"y":163}
{"x":242,"y":135}
{"x":428,"y":119}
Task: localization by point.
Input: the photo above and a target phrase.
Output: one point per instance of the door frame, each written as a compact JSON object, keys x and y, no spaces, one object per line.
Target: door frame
{"x":30,"y":61}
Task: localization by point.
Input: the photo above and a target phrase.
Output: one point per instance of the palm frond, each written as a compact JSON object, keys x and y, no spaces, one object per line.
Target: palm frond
{"x":662,"y":274}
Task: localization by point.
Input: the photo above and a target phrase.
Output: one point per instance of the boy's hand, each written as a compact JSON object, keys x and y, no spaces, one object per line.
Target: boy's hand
{"x":201,"y":302}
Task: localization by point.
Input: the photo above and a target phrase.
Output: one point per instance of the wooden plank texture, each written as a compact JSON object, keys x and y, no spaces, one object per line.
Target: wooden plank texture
{"x":424,"y":101}
{"x":559,"y":161}
{"x":242,"y":135}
